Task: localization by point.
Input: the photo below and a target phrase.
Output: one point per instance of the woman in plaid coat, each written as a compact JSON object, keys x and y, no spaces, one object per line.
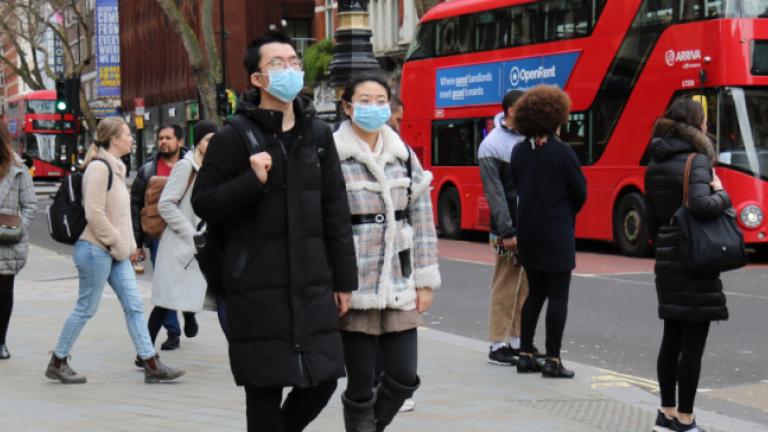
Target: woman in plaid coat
{"x":396,"y":248}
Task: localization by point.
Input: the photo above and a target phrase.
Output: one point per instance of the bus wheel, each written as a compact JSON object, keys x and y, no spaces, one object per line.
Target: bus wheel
{"x":449,"y":213}
{"x":630,"y":230}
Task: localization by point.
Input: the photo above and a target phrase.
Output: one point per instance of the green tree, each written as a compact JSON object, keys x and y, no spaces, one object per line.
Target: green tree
{"x":316,"y":60}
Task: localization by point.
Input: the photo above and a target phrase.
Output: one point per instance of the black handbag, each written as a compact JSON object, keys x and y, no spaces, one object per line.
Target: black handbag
{"x":708,"y":246}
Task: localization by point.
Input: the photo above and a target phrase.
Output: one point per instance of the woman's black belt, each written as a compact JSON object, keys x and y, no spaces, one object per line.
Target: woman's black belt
{"x":377,"y":218}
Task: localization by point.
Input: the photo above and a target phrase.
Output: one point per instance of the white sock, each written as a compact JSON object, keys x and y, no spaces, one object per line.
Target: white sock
{"x":496,"y":345}
{"x":514,"y":342}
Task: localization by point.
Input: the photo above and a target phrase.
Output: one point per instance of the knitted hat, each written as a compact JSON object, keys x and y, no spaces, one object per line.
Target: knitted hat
{"x":203,"y":128}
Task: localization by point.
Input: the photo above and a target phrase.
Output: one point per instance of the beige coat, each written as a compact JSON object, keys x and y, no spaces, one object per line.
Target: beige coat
{"x":177,"y":283}
{"x":108,"y":213}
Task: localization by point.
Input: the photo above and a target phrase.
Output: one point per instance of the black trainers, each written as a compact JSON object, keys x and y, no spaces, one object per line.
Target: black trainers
{"x":663,"y":424}
{"x":679,"y":427}
{"x":171,"y":343}
{"x":504,"y":356}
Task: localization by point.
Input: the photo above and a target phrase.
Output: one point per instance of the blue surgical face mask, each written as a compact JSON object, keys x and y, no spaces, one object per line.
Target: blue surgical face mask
{"x":371,"y":117}
{"x":285,"y":84}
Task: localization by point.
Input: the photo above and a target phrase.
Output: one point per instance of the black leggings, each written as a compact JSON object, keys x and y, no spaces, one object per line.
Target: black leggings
{"x":156,"y":318}
{"x":6,"y":304}
{"x":301,"y":406}
{"x":679,"y":363}
{"x":399,"y":355}
{"x":542,"y":286}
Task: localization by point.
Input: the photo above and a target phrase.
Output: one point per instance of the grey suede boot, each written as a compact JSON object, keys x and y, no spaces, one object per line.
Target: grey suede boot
{"x":58,"y":369}
{"x":390,"y":396}
{"x":358,"y":417}
{"x":155,"y":371}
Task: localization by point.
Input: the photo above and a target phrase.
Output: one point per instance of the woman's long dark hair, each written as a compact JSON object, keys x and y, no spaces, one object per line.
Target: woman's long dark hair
{"x":686,"y":111}
{"x":7,"y":156}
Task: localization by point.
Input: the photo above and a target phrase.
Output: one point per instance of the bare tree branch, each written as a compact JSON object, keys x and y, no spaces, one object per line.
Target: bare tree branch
{"x":201,"y":68}
{"x":210,"y":41}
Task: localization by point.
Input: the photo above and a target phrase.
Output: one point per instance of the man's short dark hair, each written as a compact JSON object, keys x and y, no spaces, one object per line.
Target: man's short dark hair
{"x":178,"y":131}
{"x":509,"y":100}
{"x":253,"y":51}
{"x":395,"y":103}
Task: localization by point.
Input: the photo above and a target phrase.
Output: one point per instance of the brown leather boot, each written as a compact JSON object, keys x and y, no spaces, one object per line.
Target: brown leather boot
{"x":58,"y":369}
{"x":156,"y":372}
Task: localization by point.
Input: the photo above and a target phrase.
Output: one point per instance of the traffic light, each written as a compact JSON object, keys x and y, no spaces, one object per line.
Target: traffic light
{"x":68,"y":95}
{"x":62,"y":96}
{"x":222,"y":102}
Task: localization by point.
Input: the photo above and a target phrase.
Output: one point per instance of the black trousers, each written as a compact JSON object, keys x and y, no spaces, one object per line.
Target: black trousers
{"x":545,"y":286}
{"x":301,"y":406}
{"x":157,"y":317}
{"x":679,"y":363}
{"x":399,"y":352}
{"x":6,"y":304}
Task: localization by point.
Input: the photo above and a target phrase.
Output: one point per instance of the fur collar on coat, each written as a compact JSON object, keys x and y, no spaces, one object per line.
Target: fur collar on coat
{"x":665,"y":128}
{"x":383,"y":176}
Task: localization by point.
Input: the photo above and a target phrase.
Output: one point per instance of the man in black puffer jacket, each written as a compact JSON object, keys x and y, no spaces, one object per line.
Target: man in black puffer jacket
{"x":687,"y":302}
{"x":277,"y":197}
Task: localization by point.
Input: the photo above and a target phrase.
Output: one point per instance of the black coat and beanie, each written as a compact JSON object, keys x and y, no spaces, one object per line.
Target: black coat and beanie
{"x":288,"y":247}
{"x":551,"y":190}
{"x":682,"y":296}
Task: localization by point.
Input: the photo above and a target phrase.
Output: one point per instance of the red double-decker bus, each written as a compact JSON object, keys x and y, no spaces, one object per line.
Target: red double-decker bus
{"x":622,"y":62}
{"x":39,"y":134}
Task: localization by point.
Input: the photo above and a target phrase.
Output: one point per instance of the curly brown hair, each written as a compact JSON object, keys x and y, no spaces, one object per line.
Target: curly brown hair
{"x":541,"y":111}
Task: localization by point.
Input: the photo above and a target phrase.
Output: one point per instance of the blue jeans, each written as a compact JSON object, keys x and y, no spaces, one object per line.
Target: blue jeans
{"x":96,"y":267}
{"x":171,"y":321}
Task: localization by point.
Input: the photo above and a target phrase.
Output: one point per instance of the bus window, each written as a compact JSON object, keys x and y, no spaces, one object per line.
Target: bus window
{"x":656,"y":12}
{"x":519,"y":26}
{"x":489,"y":27}
{"x":760,"y":57}
{"x":567,"y":19}
{"x":36,"y":106}
{"x":424,"y":43}
{"x":743,"y":132}
{"x":575,"y":134}
{"x":455,"y":142}
{"x":456,"y":35}
{"x":754,"y":8}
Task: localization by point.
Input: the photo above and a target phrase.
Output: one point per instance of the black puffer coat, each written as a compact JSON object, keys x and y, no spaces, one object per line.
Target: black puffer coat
{"x":682,"y":296}
{"x":288,"y":247}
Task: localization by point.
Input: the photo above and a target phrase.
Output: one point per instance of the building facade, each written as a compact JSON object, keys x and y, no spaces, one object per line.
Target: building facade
{"x":154,"y":64}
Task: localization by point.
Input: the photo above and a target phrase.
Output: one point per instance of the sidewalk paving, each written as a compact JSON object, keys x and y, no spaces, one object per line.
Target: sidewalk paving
{"x":460,"y":392}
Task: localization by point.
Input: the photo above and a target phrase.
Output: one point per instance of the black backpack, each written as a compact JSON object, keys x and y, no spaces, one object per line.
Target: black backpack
{"x":66,"y":215}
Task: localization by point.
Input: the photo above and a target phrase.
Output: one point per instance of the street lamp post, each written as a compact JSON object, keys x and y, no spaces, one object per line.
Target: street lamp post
{"x":353,"y":52}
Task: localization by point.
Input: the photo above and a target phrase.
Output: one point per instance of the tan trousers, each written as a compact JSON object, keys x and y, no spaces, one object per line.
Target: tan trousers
{"x":509,"y":289}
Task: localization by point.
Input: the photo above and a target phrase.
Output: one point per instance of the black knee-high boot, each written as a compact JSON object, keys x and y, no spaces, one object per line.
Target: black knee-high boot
{"x":390,"y":396}
{"x":358,"y":417}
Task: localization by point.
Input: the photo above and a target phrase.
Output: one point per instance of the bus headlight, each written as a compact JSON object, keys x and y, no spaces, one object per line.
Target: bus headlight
{"x":751,"y":216}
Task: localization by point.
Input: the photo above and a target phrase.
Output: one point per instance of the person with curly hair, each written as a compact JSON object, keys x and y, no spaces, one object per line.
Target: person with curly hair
{"x":551,"y":190}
